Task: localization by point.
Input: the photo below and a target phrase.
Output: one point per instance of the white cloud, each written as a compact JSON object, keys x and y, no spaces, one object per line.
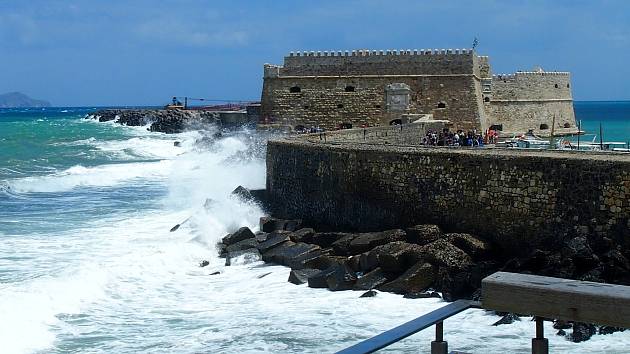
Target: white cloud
{"x":189,"y":33}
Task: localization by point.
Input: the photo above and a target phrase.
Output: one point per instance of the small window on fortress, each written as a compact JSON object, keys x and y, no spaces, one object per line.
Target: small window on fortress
{"x":307,"y":107}
{"x":441,"y":105}
{"x":295,"y":89}
{"x":377,"y":106}
{"x":567,"y":85}
{"x":567,"y":125}
{"x":556,"y":85}
{"x":340,"y":106}
{"x":544,"y":126}
{"x":349,"y":88}
{"x":486,"y":99}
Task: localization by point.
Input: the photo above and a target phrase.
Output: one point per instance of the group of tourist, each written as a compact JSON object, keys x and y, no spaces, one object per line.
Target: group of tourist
{"x":470,"y":138}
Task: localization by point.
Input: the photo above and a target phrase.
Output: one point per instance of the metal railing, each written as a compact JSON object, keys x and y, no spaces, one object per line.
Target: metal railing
{"x":436,"y":317}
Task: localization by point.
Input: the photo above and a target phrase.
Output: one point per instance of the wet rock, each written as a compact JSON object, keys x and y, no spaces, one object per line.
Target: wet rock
{"x":336,"y":278}
{"x":369,"y":293}
{"x":261,"y":236}
{"x":341,"y":279}
{"x":415,"y":279}
{"x":290,"y":253}
{"x":242,"y":234}
{"x":243,"y":193}
{"x":397,"y":257}
{"x":473,"y":246}
{"x":270,"y":224}
{"x":341,"y":247}
{"x":303,"y":235}
{"x":582,"y":332}
{"x":310,"y":259}
{"x":609,"y":330}
{"x":371,"y":280}
{"x":422,"y":295}
{"x":300,"y":276}
{"x":443,"y":253}
{"x":463,"y":282}
{"x":318,"y":280}
{"x":326,"y":239}
{"x":322,"y":262}
{"x":204,"y":263}
{"x":423,"y":234}
{"x":273,"y":239}
{"x":263,"y":275}
{"x":242,"y":245}
{"x":367,"y":241}
{"x":507,"y":319}
{"x":560,"y":324}
{"x":354,"y":262}
{"x":177,"y":143}
{"x":561,"y":333}
{"x":369,"y":261}
{"x":215,"y":273}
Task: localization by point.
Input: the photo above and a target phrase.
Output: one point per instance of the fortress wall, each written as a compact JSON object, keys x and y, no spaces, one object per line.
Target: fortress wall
{"x":532,"y":86}
{"x":372,"y":62}
{"x":530,"y":100}
{"x":532,"y":115}
{"x":519,"y":199}
{"x":317,"y":103}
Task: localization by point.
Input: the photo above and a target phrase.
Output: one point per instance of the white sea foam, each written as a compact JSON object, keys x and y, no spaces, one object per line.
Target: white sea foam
{"x":99,"y":176}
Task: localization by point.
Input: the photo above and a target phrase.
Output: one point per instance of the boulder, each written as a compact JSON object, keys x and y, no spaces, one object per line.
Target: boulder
{"x":415,"y":279}
{"x":318,"y":280}
{"x":341,"y":279}
{"x":422,"y":295}
{"x":609,"y":330}
{"x":326,"y":239}
{"x":243,"y":194}
{"x":303,"y":235}
{"x":369,"y":293}
{"x":371,"y":280}
{"x":582,"y":332}
{"x":473,"y":246}
{"x":341,"y":247}
{"x":273,"y":239}
{"x":397,"y":257}
{"x":443,"y":253}
{"x":289,"y":253}
{"x":242,"y":234}
{"x":336,"y":277}
{"x":423,"y":234}
{"x":204,"y":263}
{"x":300,"y":276}
{"x":261,"y":236}
{"x":308,"y":259}
{"x":368,"y":261}
{"x":278,"y":253}
{"x":270,"y":224}
{"x":507,"y":319}
{"x":367,"y":241}
{"x":322,"y":261}
{"x":242,"y":245}
{"x":459,"y":283}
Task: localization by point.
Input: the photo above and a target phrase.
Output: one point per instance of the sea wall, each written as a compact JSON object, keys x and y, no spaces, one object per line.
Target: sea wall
{"x":407,"y":134}
{"x":518,"y":199}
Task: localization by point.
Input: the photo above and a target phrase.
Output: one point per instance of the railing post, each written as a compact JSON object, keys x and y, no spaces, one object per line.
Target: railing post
{"x":439,"y":346}
{"x":540,"y":344}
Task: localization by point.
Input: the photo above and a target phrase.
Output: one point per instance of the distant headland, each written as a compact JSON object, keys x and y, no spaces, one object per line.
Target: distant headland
{"x":20,"y":100}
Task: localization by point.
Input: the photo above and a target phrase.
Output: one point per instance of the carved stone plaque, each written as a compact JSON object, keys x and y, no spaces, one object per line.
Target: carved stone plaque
{"x":397,"y":97}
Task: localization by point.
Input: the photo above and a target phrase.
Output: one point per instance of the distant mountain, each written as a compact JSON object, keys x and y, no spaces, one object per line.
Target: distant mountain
{"x":20,"y":100}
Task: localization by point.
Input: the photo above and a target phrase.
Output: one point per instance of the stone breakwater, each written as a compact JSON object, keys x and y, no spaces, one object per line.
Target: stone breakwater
{"x":417,"y":262}
{"x":159,"y":120}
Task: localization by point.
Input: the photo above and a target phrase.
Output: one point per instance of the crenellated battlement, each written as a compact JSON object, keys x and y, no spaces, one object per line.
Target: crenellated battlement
{"x":367,"y":52}
{"x":512,"y":76}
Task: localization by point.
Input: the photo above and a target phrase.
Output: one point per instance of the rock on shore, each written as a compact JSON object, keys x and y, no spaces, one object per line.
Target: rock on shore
{"x":159,"y":120}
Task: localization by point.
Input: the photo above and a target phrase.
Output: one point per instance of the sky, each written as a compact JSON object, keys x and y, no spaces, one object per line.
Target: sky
{"x":126,"y":52}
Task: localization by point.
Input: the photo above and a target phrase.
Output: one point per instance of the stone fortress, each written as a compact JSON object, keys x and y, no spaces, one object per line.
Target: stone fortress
{"x":370,"y":88}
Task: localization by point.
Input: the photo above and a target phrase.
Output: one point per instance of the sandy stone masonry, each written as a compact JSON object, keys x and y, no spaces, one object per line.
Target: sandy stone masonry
{"x":355,"y":88}
{"x":519,"y":199}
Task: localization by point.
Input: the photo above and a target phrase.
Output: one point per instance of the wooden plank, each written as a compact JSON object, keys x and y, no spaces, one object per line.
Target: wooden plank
{"x":565,"y":299}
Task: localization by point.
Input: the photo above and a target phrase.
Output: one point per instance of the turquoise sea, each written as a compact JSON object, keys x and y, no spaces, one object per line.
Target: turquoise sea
{"x":88,"y":265}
